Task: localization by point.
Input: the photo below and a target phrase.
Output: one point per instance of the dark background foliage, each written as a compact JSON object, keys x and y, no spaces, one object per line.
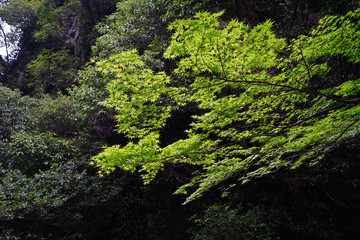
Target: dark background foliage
{"x":51,"y":124}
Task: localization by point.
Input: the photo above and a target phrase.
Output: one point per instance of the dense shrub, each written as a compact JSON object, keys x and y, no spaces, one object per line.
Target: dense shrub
{"x":38,"y":151}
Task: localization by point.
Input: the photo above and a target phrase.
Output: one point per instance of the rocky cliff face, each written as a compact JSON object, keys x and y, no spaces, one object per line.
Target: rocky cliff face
{"x":74,"y":31}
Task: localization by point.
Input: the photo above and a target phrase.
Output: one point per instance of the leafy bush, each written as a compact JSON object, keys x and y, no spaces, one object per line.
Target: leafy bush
{"x":62,"y":115}
{"x":38,"y":151}
{"x":17,"y":113}
{"x":52,"y":71}
{"x":222,"y":222}
{"x":54,"y":18}
{"x":21,"y":195}
{"x":137,"y":23}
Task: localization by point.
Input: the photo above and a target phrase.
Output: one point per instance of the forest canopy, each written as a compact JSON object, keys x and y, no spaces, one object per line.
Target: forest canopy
{"x":248,"y":111}
{"x":263,"y":109}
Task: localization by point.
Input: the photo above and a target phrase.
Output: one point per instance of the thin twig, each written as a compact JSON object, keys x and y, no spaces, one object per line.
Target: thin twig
{"x":342,"y":204}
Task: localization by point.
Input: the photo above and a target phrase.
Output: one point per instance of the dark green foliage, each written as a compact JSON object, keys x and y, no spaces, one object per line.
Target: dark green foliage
{"x":38,"y":151}
{"x":52,"y":71}
{"x":223,"y":222}
{"x":16,"y":112}
{"x":90,"y":92}
{"x":22,"y":195}
{"x":127,"y":28}
{"x":41,"y":19}
{"x":62,"y":115}
{"x":201,"y":115}
{"x":20,"y":14}
{"x":137,"y":23}
{"x":56,"y":18}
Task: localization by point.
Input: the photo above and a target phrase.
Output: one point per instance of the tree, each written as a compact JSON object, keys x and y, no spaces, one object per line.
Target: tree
{"x":16,"y":113}
{"x":268,"y":104}
{"x":139,"y":23}
{"x":52,"y":72}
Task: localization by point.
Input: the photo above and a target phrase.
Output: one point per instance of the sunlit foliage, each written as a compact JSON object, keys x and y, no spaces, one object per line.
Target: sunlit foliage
{"x":263,"y":108}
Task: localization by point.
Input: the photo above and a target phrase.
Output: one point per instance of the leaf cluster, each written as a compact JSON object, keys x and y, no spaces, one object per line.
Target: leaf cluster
{"x":263,"y":112}
{"x":52,"y":71}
